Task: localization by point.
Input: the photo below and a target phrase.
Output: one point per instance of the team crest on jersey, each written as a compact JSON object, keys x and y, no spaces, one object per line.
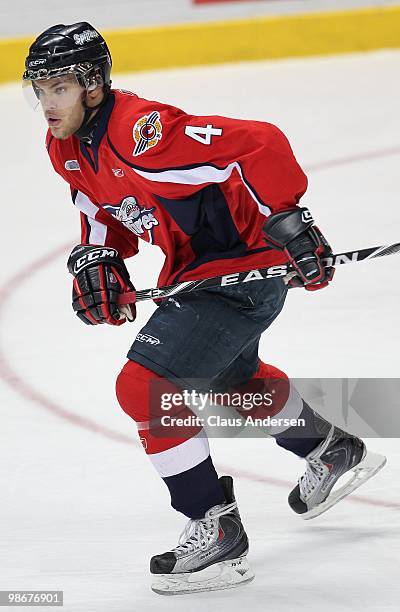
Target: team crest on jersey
{"x":138,"y":219}
{"x":147,"y":133}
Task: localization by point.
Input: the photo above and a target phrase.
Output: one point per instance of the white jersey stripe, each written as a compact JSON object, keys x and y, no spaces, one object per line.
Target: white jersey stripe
{"x":85,"y":205}
{"x":199,"y":176}
{"x":98,"y":231}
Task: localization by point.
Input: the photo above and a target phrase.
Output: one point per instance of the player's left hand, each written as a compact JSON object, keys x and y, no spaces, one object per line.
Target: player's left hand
{"x":294,"y":232}
{"x":311,"y":273}
{"x":100,"y":276}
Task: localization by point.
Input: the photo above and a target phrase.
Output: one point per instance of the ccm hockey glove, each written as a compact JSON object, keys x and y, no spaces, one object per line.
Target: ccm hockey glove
{"x":293,"y":231}
{"x":100,"y":276}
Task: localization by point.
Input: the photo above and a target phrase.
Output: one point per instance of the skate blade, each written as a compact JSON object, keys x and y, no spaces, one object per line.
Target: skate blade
{"x":223,"y":575}
{"x":368,"y":467}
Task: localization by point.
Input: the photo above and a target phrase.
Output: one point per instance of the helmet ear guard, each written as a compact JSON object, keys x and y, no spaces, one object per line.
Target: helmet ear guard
{"x":91,"y":83}
{"x":93,"y":79}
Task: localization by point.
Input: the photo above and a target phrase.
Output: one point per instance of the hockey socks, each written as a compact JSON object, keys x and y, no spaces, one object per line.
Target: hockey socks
{"x":306,"y":436}
{"x":180,"y":456}
{"x":287,"y":404}
{"x":195,"y":491}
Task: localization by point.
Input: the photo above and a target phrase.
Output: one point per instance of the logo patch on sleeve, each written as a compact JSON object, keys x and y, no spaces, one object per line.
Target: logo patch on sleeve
{"x":72,"y":164}
{"x":147,"y":133}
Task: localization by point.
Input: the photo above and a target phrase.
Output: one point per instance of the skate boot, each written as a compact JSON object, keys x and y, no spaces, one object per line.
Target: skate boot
{"x":211,"y":553}
{"x":338,"y":454}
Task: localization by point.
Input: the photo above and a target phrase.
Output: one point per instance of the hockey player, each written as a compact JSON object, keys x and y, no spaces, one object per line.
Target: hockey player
{"x":217,"y":195}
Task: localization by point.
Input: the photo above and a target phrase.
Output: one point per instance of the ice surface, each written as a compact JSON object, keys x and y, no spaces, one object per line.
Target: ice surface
{"x":81,"y":509}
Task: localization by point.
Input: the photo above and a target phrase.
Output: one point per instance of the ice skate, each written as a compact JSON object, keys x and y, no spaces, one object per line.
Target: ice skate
{"x":337,"y":455}
{"x":211,"y":554}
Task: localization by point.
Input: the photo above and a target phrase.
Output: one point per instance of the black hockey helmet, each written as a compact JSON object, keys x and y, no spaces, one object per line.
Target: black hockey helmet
{"x":77,"y":48}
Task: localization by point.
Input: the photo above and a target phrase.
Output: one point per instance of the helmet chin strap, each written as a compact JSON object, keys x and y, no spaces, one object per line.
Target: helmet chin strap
{"x":85,"y":132}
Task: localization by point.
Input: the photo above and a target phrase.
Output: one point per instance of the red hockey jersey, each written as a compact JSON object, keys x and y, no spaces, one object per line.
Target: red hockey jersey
{"x":197,"y":187}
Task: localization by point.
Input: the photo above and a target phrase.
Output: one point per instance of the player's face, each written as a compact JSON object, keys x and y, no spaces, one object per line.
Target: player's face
{"x":61,"y":100}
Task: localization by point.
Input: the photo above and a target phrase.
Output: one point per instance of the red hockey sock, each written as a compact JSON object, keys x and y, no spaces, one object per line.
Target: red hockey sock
{"x":143,"y":395}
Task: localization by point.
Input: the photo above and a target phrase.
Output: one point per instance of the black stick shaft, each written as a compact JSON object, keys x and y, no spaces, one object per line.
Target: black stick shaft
{"x":250,"y":275}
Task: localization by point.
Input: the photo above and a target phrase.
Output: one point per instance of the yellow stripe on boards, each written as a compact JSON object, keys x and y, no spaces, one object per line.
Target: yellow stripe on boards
{"x":237,"y":40}
{"x":12,"y":57}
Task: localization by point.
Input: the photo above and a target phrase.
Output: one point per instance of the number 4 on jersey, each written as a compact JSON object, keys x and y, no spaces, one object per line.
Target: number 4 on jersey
{"x":202,"y":134}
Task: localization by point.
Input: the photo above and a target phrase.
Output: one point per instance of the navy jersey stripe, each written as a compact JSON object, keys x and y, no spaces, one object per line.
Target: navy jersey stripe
{"x":187,"y":167}
{"x":207,"y":218}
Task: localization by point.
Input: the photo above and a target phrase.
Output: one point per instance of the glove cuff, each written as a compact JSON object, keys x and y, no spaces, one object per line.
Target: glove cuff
{"x":86,"y":256}
{"x":284,"y":226}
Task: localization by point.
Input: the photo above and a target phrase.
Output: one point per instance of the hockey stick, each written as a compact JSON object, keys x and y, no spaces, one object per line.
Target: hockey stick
{"x":250,"y":275}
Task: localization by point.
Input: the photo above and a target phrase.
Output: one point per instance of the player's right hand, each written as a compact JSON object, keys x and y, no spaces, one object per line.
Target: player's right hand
{"x":100,"y":276}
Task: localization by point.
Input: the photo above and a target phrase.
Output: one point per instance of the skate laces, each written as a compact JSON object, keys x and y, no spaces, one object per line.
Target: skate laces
{"x":312,"y":477}
{"x":316,"y":470}
{"x":198,"y":533}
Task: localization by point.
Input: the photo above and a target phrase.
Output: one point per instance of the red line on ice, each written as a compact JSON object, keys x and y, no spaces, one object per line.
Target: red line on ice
{"x":11,"y":377}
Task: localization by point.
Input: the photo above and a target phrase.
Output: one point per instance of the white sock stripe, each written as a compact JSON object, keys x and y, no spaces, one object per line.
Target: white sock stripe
{"x":291,"y":410}
{"x":182,"y":457}
{"x":142,"y":425}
